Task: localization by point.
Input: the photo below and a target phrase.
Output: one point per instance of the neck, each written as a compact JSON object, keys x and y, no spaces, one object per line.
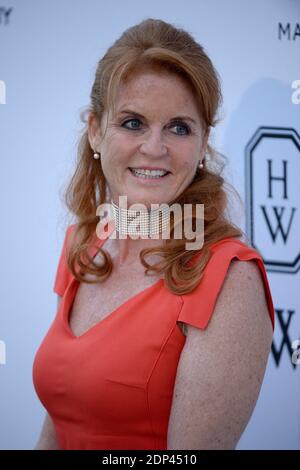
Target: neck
{"x":140,"y":221}
{"x":135,"y":230}
{"x":128,"y":250}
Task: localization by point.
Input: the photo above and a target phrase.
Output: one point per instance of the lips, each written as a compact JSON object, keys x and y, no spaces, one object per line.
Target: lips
{"x":148,"y":178}
{"x":148,"y":168}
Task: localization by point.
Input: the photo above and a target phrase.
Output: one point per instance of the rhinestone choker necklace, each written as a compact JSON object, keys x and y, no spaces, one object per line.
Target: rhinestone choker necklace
{"x":140,"y":222}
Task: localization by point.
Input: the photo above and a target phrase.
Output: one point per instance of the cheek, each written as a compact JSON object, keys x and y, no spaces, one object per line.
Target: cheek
{"x":118,"y":148}
{"x":186,"y":156}
{"x":188,"y":165}
{"x":114,"y":163}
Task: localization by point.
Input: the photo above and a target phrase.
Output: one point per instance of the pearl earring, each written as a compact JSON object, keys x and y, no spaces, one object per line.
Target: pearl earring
{"x":201,"y":165}
{"x":96,"y":155}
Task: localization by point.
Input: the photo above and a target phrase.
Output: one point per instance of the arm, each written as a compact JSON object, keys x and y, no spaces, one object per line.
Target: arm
{"x":47,"y":439}
{"x":221,"y":368}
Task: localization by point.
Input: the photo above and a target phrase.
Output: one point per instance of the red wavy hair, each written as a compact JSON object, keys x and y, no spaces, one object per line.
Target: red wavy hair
{"x":161,"y":46}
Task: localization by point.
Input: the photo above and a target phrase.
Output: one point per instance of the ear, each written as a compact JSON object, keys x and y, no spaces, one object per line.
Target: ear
{"x":94,"y":132}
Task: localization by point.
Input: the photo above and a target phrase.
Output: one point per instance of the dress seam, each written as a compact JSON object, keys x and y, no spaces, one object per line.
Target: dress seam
{"x":150,"y":375}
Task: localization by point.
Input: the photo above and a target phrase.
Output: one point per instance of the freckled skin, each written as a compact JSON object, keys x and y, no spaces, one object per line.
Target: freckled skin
{"x":221,"y":368}
{"x":159,"y":98}
{"x":158,"y":141}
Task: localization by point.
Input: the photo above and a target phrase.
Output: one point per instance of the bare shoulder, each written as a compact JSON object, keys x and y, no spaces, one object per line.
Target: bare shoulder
{"x":221,"y":368}
{"x":241,"y":304}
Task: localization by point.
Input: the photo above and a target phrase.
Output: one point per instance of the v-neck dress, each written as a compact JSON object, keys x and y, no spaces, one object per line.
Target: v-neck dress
{"x":111,"y":388}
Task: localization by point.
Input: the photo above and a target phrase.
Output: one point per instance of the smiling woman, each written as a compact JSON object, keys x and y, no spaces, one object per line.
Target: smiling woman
{"x":159,"y":141}
{"x":140,"y":351}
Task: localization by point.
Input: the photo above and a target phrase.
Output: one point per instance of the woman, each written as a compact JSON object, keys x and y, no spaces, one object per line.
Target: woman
{"x":171,"y":356}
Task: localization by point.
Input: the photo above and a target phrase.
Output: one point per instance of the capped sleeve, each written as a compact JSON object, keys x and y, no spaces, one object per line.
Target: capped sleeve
{"x":63,"y":274}
{"x":199,"y":304}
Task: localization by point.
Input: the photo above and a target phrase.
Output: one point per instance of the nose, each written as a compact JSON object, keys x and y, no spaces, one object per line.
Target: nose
{"x":153,"y":144}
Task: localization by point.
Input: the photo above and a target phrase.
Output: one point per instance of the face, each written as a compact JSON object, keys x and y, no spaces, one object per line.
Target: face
{"x":153,"y":142}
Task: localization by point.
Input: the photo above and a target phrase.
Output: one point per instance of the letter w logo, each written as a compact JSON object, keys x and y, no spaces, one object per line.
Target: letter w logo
{"x":285,"y":341}
{"x":279,"y":226}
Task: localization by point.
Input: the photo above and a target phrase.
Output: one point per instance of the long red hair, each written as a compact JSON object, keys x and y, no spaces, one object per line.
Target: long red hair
{"x":161,"y":46}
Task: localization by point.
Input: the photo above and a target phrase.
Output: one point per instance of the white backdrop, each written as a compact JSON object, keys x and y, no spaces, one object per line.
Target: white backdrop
{"x":48,"y":55}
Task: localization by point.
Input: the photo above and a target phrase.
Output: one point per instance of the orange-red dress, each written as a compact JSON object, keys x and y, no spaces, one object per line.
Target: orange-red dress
{"x":111,"y":387}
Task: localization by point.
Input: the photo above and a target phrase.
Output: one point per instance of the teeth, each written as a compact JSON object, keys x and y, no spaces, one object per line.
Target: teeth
{"x":148,"y":173}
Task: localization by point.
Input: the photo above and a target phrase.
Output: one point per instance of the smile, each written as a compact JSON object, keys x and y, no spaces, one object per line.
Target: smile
{"x":148,"y":174}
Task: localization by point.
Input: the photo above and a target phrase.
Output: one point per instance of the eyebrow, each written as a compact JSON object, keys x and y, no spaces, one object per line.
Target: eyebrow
{"x":176,"y":118}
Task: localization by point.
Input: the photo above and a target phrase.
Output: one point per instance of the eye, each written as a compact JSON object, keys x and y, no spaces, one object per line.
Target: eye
{"x":134,"y":127}
{"x":182,"y":125}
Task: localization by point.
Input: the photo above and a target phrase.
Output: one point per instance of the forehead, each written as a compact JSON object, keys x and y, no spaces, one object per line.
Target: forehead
{"x":156,"y":90}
